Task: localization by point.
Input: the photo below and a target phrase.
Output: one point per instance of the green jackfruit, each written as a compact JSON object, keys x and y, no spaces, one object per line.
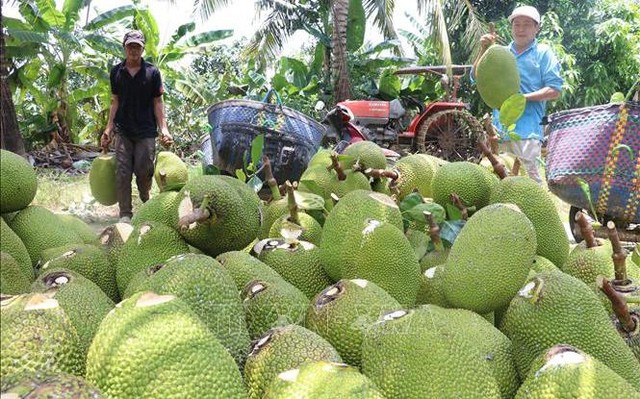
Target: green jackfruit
{"x":311,"y":230}
{"x":430,"y":289}
{"x":170,"y":172}
{"x":19,"y":183}
{"x":203,"y":284}
{"x":490,"y":259}
{"x":587,"y":264}
{"x":556,"y":307}
{"x":162,"y":207}
{"x":434,"y":360}
{"x":322,"y":380}
{"x":244,"y":268}
{"x":11,"y":244}
{"x":154,"y":346}
{"x":36,"y":335}
{"x":566,"y":372}
{"x":102,"y":179}
{"x":415,"y":173}
{"x":366,"y":154}
{"x":272,"y":212}
{"x":497,"y":75}
{"x":282,"y":349}
{"x":13,"y":279}
{"x":82,"y":300}
{"x":466,"y":179}
{"x":113,"y":238}
{"x":40,"y":385}
{"x":342,"y":312}
{"x":84,"y":231}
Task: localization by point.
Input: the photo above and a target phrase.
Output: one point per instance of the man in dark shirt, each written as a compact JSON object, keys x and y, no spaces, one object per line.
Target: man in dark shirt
{"x":136,"y":113}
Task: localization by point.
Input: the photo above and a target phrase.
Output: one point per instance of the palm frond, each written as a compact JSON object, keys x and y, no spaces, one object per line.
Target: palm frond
{"x":204,"y":9}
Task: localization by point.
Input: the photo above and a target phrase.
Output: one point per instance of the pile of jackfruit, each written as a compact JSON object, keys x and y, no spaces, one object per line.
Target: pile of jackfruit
{"x":368,"y":278}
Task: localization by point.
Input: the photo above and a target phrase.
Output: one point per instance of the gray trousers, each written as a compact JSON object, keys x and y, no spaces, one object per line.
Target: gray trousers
{"x":134,"y":156}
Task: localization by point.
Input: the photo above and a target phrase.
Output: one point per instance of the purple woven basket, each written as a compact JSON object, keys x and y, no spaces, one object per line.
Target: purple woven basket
{"x":599,"y":145}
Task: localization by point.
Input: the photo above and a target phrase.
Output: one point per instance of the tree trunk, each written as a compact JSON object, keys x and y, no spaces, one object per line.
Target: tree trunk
{"x":10,"y":138}
{"x":340,"y":66}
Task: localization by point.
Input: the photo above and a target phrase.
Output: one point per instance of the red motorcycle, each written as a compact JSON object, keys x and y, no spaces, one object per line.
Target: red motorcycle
{"x":445,"y":129}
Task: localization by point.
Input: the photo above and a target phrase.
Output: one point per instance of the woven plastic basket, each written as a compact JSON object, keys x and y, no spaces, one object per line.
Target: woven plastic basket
{"x":598,"y":145}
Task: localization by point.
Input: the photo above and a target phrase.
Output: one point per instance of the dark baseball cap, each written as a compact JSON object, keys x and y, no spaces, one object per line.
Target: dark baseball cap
{"x":134,"y":36}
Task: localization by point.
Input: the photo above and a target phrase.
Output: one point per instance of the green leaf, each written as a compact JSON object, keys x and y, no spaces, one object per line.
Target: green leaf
{"x":255,"y":183}
{"x":453,"y":212}
{"x":312,"y":186}
{"x":240,"y":175}
{"x":356,"y":25}
{"x":207,"y":37}
{"x":390,"y":84}
{"x":416,"y":214}
{"x":182,"y":32}
{"x":55,"y":75}
{"x":71,"y":9}
{"x":257,"y":144}
{"x":409,"y":201}
{"x":50,"y":14}
{"x":419,"y":241}
{"x":20,"y":36}
{"x":512,"y":109}
{"x":586,"y":189}
{"x":514,"y":136}
{"x":308,"y":201}
{"x":111,"y":16}
{"x":450,"y":229}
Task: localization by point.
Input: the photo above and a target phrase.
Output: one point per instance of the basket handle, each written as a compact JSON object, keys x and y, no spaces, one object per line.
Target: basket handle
{"x":270,"y":93}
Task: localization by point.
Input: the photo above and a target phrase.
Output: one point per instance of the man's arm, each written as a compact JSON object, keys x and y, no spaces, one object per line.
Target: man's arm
{"x":158,"y":109}
{"x":108,"y":131}
{"x":544,"y":94}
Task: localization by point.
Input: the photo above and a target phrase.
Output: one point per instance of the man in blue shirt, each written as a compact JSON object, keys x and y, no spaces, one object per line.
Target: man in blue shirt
{"x":540,"y":81}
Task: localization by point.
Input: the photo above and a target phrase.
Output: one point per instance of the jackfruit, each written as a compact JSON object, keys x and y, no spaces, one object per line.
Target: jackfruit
{"x":154,"y":346}
{"x":282,"y":349}
{"x":272,"y":212}
{"x":298,"y":262}
{"x":537,"y":204}
{"x":88,"y":260}
{"x":490,"y":259}
{"x":85,"y":232}
{"x":40,"y":229}
{"x":410,"y":344}
{"x":170,"y":172}
{"x":586,"y":264}
{"x":497,"y":75}
{"x":11,"y":244}
{"x":366,"y":154}
{"x":466,"y":179}
{"x":36,"y":335}
{"x":102,"y":179}
{"x":13,"y":279}
{"x":344,"y":311}
{"x":415,"y":172}
{"x":19,"y":183}
{"x":555,"y":307}
{"x":322,"y":380}
{"x":430,"y":288}
{"x":113,"y":238}
{"x":82,"y":300}
{"x":40,"y":385}
{"x":269,"y":304}
{"x":203,"y":284}
{"x":228,"y":214}
{"x":162,"y":207}
{"x":566,"y":372}
{"x":244,"y":268}
{"x":310,"y":229}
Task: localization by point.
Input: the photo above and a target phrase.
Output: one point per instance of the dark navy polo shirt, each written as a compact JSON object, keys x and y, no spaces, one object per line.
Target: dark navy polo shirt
{"x":135,"y":116}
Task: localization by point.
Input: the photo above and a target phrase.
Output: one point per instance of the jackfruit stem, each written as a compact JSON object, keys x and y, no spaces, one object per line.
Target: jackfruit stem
{"x":619,"y":254}
{"x":379,"y":173}
{"x":163,"y":179}
{"x":498,"y":167}
{"x":619,"y":305}
{"x":434,"y":231}
{"x":586,"y":230}
{"x":515,"y":170}
{"x":291,"y":203}
{"x":198,"y":215}
{"x":335,"y":165}
{"x":457,"y":202}
{"x":491,"y":132}
{"x":271,"y":181}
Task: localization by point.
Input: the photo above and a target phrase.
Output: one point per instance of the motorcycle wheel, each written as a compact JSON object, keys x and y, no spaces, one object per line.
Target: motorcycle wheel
{"x":451,"y":135}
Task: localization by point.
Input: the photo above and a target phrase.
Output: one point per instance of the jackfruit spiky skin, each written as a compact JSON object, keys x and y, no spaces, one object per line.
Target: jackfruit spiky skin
{"x":235,"y":211}
{"x":102,"y":179}
{"x":316,"y":179}
{"x":11,"y":244}
{"x":490,"y":259}
{"x":416,"y":172}
{"x":497,"y":76}
{"x":385,"y":257}
{"x":154,"y":346}
{"x":507,"y":160}
{"x":270,"y":304}
{"x":311,"y":229}
{"x":430,"y":289}
{"x":272,"y":212}
{"x":112,"y":239}
{"x":88,"y":260}
{"x":320,"y":158}
{"x":36,"y":335}
{"x":410,"y":343}
{"x":344,"y":224}
{"x":150,"y":243}
{"x":322,"y":380}
{"x":82,"y":300}
{"x":170,"y":172}
{"x":355,"y":180}
{"x":367,"y":154}
{"x":85,"y":232}
{"x":466,"y":179}
{"x":40,"y":385}
{"x":19,"y":183}
{"x":297,"y":262}
{"x":493,"y":347}
{"x":162,"y":208}
{"x":556,"y":307}
{"x":203,"y":284}
{"x":586,"y":264}
{"x":342,"y":312}
{"x":541,"y":264}
{"x":566,"y":372}
{"x":538,"y":205}
{"x":434,"y":258}
{"x":40,"y":229}
{"x":244,"y":268}
{"x":13,"y":279}
{"x":282,"y":349}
